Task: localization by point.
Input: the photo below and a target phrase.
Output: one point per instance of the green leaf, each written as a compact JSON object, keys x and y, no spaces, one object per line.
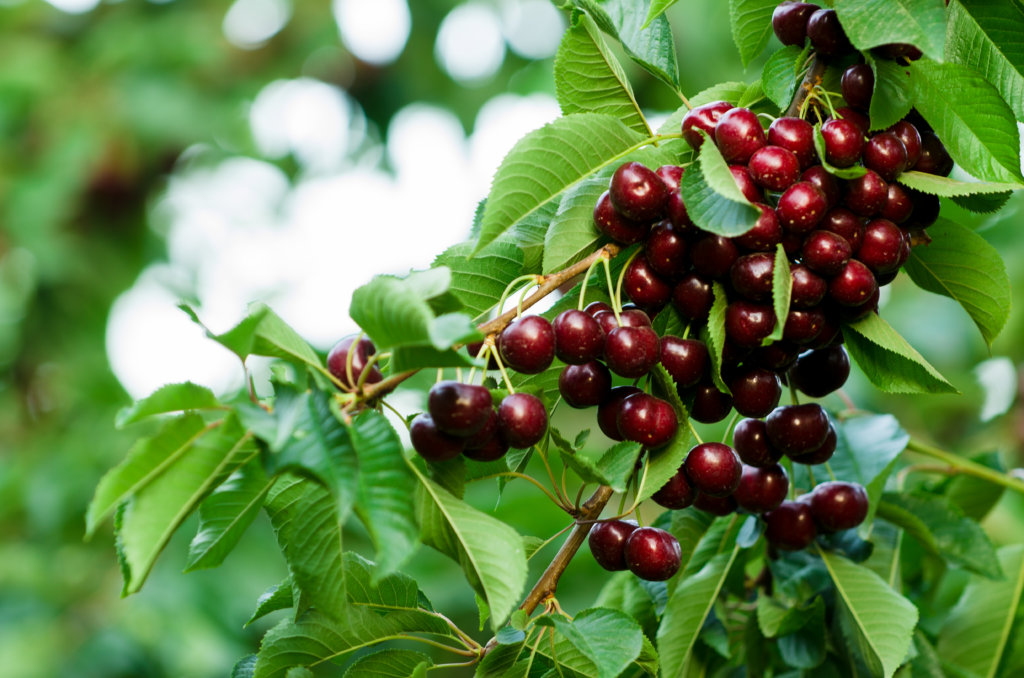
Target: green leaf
{"x":226,"y":514}
{"x":841,"y":172}
{"x":662,"y":464}
{"x":782,"y":289}
{"x":976,"y":497}
{"x":960,"y":264}
{"x":751,"y":22}
{"x":878,"y":622}
{"x":389,"y":664}
{"x":689,"y":527}
{"x":244,"y":667}
{"x":977,"y":632}
{"x":277,"y":597}
{"x":546,"y":162}
{"x":943,"y":530}
{"x":988,"y":36}
{"x":890,"y":101}
{"x":613,"y":468}
{"x":572,"y":235}
{"x":947,"y":187}
{"x":589,"y":79}
{"x":888,"y":361}
{"x":386,"y":488}
{"x":649,"y":44}
{"x":781,"y":74}
{"x":969,"y":115}
{"x":712,"y":197}
{"x":775,"y":619}
{"x":479,"y":282}
{"x":489,"y":551}
{"x":871,"y":23}
{"x":152,"y":515}
{"x":714,"y":335}
{"x":602,"y":642}
{"x":982,"y":204}
{"x":169,"y":398}
{"x":656,"y":9}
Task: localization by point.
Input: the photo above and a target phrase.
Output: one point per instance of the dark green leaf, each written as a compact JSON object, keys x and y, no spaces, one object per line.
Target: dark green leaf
{"x":776,"y":619}
{"x":169,"y":398}
{"x":245,"y":667}
{"x":389,"y":664}
{"x":888,"y":361}
{"x":653,"y":47}
{"x":988,"y":36}
{"x":976,"y":496}
{"x":572,"y":235}
{"x":712,"y":197}
{"x":277,"y":597}
{"x":982,"y":204}
{"x":479,"y":282}
{"x":890,"y":101}
{"x":751,"y":22}
{"x":602,"y":642}
{"x":870,"y":23}
{"x":781,"y":74}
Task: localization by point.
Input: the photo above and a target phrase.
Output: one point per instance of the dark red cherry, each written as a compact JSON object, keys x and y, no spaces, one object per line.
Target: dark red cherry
{"x":934,"y":158}
{"x":827,"y":35}
{"x":820,"y":372}
{"x":755,"y":391}
{"x":844,"y":142}
{"x":522,"y":420}
{"x":527,"y":345}
{"x":830,"y":333}
{"x":677,"y":493}
{"x":762,"y":489}
{"x":459,"y":409}
{"x":861,"y":120}
{"x":845,"y":223}
{"x":578,"y":337}
{"x":881,"y":248}
{"x":631,"y":316}
{"x":637,"y":192}
{"x":693,"y":297}
{"x":704,"y":117}
{"x":617,"y":227}
{"x":808,"y":288}
{"x":796,"y":430}
{"x":631,"y":352}
{"x":675,"y":208}
{"x":899,"y":50}
{"x":595,"y":307}
{"x":825,"y":253}
{"x":766,"y":233}
{"x":911,"y":139}
{"x":644,"y":286}
{"x":607,"y":542}
{"x":486,"y":432}
{"x":858,"y":84}
{"x":790,"y":527}
{"x":713,"y":468}
{"x":686,"y":360}
{"x":339,"y":364}
{"x":795,"y":135}
{"x":866,"y":195}
{"x":666,"y":250}
{"x":652,"y":554}
{"x":854,"y":285}
{"x":789,"y":21}
{"x":747,"y":323}
{"x":825,"y":182}
{"x":926,"y":210}
{"x":647,"y":420}
{"x":777,"y":356}
{"x":738,"y":134}
{"x":751,"y":275}
{"x":823,"y":453}
{"x":745,"y":182}
{"x":712,"y":256}
{"x":801,"y":207}
{"x":431,"y":443}
{"x":851,"y":314}
{"x":774,"y":168}
{"x":886,"y":154}
{"x":608,"y":410}
{"x":492,"y":449}
{"x":838,"y":505}
{"x":584,"y":385}
{"x":716,"y":506}
{"x":750,"y":441}
{"x":803,"y":326}
{"x":898,"y":205}
{"x":709,"y":404}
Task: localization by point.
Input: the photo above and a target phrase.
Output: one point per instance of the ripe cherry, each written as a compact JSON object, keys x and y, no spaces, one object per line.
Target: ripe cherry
{"x":866,"y":195}
{"x":709,"y":404}
{"x":675,"y":208}
{"x":607,"y":542}
{"x":666,"y":250}
{"x":637,"y":192}
{"x":677,"y":493}
{"x":617,"y":227}
{"x":631,"y":352}
{"x":789,"y":21}
{"x":738,"y":134}
{"x":608,"y":410}
{"x":712,"y":256}
{"x":838,"y":505}
{"x":820,"y":372}
{"x":686,"y":360}
{"x":747,"y":323}
{"x":886,"y":154}
{"x":459,"y":409}
{"x":911,"y":138}
{"x":796,"y":430}
{"x":703,"y":118}
{"x":693,"y":297}
{"x":777,"y":356}
{"x":755,"y":391}
{"x":595,"y":307}
{"x":898,"y":205}
{"x":766,"y":233}
{"x":801,"y":207}
{"x":745,"y":182}
{"x":774,"y":168}
{"x":825,"y":182}
{"x":859,"y":119}
{"x":882,"y":246}
{"x":823,"y":453}
{"x":750,"y":441}
{"x":845,"y":223}
{"x":647,"y":420}
{"x":432,"y":444}
{"x":854,"y":285}
{"x":827,"y":35}
{"x":934,"y":158}
{"x":762,"y":489}
{"x":584,"y":385}
{"x":825,"y":253}
{"x":808,"y":288}
{"x":527,"y":345}
{"x":795,"y":135}
{"x":790,"y":527}
{"x":578,"y":337}
{"x":858,"y":84}
{"x":716,"y":506}
{"x":644,"y":286}
{"x":926,"y":210}
{"x":492,"y":449}
{"x":652,"y":554}
{"x":803,"y":326}
{"x":522,"y":420}
{"x":338,"y":362}
{"x":713,"y":468}
{"x":844,"y":142}
{"x":751,"y":275}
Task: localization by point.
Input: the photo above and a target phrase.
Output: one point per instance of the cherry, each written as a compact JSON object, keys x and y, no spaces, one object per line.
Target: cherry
{"x":522,"y":420}
{"x":459,"y":409}
{"x":911,"y":139}
{"x":808,"y":288}
{"x":712,"y":256}
{"x":755,"y":391}
{"x":777,"y":356}
{"x":866,"y":195}
{"x":527,"y":345}
{"x":637,"y":192}
{"x":672,"y":176}
{"x":716,"y":506}
{"x":709,"y":404}
{"x":747,"y":323}
{"x":789,"y":21}
{"x":827,"y":36}
{"x":854,"y":285}
{"x":796,"y":430}
{"x":886,"y":154}
{"x":666,"y":249}
{"x":495,"y":448}
{"x":652,"y":554}
{"x":934,"y":158}
{"x":825,"y":182}
{"x":790,"y":527}
{"x":899,"y":50}
{"x":631,"y":352}
{"x":738,"y":134}
{"x":851,"y":314}
{"x":791,"y":243}
{"x":686,"y":360}
{"x":693,"y":297}
{"x":608,"y":410}
{"x":595,"y":307}
{"x":745,"y":182}
{"x":844,"y":142}
{"x":830,"y":333}
{"x":823,"y":453}
{"x":862,"y":121}
{"x":431,"y":443}
{"x":801,"y":207}
{"x":926,"y":209}
{"x":762,"y":489}
{"x":881,"y":249}
{"x":774,"y":168}
{"x":631,"y":316}
{"x":677,"y":493}
{"x":795,"y":135}
{"x":703,"y":118}
{"x":766,"y":233}
{"x":838,"y":505}
{"x":584,"y":385}
{"x":825,"y":252}
{"x":751,"y":444}
{"x":858,"y":84}
{"x":647,"y":420}
{"x":486,"y":432}
{"x":578,"y":337}
{"x":803,"y":327}
{"x":898,"y":205}
{"x":607,"y":542}
{"x":338,"y":361}
{"x":617,"y":227}
{"x":644,"y":286}
{"x":820,"y":372}
{"x":713,"y":468}
{"x":845,"y":223}
{"x":751,"y":275}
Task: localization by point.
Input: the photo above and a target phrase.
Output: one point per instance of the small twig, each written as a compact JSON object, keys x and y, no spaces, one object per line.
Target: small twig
{"x":967,"y":466}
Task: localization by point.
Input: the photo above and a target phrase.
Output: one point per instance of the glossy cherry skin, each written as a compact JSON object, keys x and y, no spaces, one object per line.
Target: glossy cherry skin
{"x":578,"y":337}
{"x":790,"y":527}
{"x":796,"y":430}
{"x":527,"y":345}
{"x":845,"y":223}
{"x":644,"y":286}
{"x":826,"y":34}
{"x":823,"y":453}
{"x":858,"y":83}
{"x":584,"y":385}
{"x":825,"y":253}
{"x":631,"y":317}
{"x":808,"y":288}
{"x":886,"y":154}
{"x":713,"y":255}
{"x":431,"y":443}
{"x":617,"y":227}
{"x":495,"y":448}
{"x":934,"y":158}
{"x":777,"y":356}
{"x":762,"y":489}
{"x":631,"y":352}
{"x":838,"y":505}
{"x":795,"y":135}
{"x":595,"y":307}
{"x":637,"y":192}
{"x":713,"y":468}
{"x":766,"y":233}
{"x":750,"y":441}
{"x":861,"y":120}
{"x":820,"y":372}
{"x":608,"y":410}
{"x":825,"y":182}
{"x":675,"y":208}
{"x":789,"y":21}
{"x":716,"y":506}
{"x":751,"y":275}
{"x":647,"y":420}
{"x":801,"y":207}
{"x":898,"y":205}
{"x":926,"y":210}
{"x":693,"y":297}
{"x":866,"y":195}
{"x":703,"y":118}
{"x":881,"y":248}
{"x":844,"y":142}
{"x":745,"y":182}
{"x":459,"y":409}
{"x":899,"y":50}
{"x":854,"y":285}
{"x":652,"y":554}
{"x":666,"y":249}
{"x":361,"y":350}
{"x":755,"y":391}
{"x":747,"y":323}
{"x":738,"y":134}
{"x":803,"y":326}
{"x":911,"y":138}
{"x":687,"y":360}
{"x":774,"y":168}
{"x":709,"y":404}
{"x":607,"y":542}
{"x":677,"y":493}
{"x":522,"y":420}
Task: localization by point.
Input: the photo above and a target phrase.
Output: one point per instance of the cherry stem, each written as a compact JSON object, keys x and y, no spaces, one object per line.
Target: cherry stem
{"x":586,"y":280}
{"x":495,"y":353}
{"x":511,"y":286}
{"x":515,"y":474}
{"x":686,"y":102}
{"x":550,"y":539}
{"x":829,"y":469}
{"x":966,"y":466}
{"x":696,"y":435}
{"x":622,"y":276}
{"x":616,"y":304}
{"x":813,"y":78}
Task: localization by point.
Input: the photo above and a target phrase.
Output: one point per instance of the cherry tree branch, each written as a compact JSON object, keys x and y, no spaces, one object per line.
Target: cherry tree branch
{"x":815,"y":74}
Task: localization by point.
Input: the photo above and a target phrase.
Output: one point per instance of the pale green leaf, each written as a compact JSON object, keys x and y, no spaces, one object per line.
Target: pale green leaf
{"x":751,"y":22}
{"x":169,"y":398}
{"x":871,"y":23}
{"x":656,"y":9}
{"x":572,"y":235}
{"x":888,"y":361}
{"x":948,"y":187}
{"x":650,"y":45}
{"x":714,"y":335}
{"x":988,"y":36}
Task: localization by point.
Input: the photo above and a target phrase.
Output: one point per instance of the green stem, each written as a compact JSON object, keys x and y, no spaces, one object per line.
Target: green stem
{"x":616,"y":306}
{"x":586,"y":280}
{"x":511,"y":286}
{"x":967,"y":466}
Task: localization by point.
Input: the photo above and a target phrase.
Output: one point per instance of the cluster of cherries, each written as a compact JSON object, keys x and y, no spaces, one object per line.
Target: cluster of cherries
{"x":796,"y":22}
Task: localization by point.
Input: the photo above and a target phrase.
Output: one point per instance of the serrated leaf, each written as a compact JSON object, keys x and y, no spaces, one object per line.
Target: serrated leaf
{"x":871,"y":23}
{"x":753,"y":94}
{"x":880,"y":622}
{"x":489,"y":551}
{"x":988,"y":36}
{"x":888,"y":361}
{"x":650,"y":45}
{"x":662,"y":464}
{"x":781,"y":74}
{"x":479,"y":282}
{"x":689,"y":527}
{"x":841,"y":172}
{"x":656,"y":9}
{"x":613,"y":468}
{"x":546,"y":162}
{"x":960,"y":264}
{"x":169,"y":398}
{"x":948,"y":187}
{"x":977,"y":631}
{"x":726,"y":91}
{"x":713,"y":335}
{"x":982,"y":204}
{"x":751,"y":22}
{"x":589,"y":79}
{"x":572,"y":235}
{"x":782,"y":290}
{"x":969,"y":115}
{"x":244,"y":667}
{"x":226,"y":514}
{"x":602,"y":642}
{"x":390,"y":664}
{"x":713,"y":199}
{"x":890,"y":99}
{"x":776,"y":619}
{"x":277,"y":597}
{"x":943,"y":530}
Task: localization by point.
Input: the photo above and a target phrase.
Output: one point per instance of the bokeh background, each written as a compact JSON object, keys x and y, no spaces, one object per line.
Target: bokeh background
{"x":221,"y":152}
